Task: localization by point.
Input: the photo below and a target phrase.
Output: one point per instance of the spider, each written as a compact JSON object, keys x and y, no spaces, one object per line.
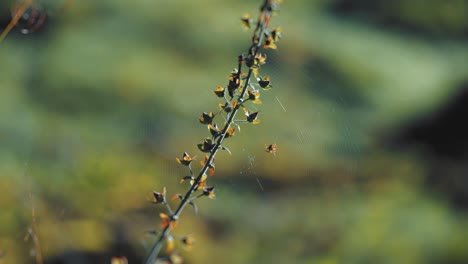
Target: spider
{"x":272,"y":148}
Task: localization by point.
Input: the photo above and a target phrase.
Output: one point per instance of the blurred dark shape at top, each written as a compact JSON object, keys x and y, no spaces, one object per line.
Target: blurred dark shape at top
{"x":425,"y":18}
{"x":34,"y":17}
{"x":34,"y":22}
{"x":442,"y":139}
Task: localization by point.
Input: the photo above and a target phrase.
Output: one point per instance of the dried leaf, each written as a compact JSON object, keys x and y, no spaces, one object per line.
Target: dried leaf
{"x":175,"y":196}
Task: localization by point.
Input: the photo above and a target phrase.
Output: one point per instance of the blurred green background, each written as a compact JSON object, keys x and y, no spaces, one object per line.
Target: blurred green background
{"x":368,"y":111}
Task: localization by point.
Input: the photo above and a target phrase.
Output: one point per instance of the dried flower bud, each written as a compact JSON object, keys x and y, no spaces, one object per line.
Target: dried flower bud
{"x":264,"y":82}
{"x":209,"y":191}
{"x":220,"y":91}
{"x":206,"y":146}
{"x":246,"y":21}
{"x":276,"y":34}
{"x":252,"y":117}
{"x":269,"y":43}
{"x":254,"y":96}
{"x":186,"y":159}
{"x":206,"y":118}
{"x":159,"y":197}
{"x":214,"y":130}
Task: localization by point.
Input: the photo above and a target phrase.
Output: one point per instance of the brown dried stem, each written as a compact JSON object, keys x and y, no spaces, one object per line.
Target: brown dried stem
{"x":266,"y":12}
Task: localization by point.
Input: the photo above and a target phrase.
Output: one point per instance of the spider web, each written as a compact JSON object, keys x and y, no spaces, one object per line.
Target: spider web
{"x":343,"y":145}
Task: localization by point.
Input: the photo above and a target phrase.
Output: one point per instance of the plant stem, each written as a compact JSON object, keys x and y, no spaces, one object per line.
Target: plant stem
{"x":253,"y":51}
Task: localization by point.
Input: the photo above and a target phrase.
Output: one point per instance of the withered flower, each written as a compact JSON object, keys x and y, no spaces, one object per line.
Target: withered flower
{"x":228,"y":107}
{"x":235,"y":73}
{"x":246,"y":21}
{"x":209,"y":191}
{"x":269,"y":43}
{"x":206,"y":146}
{"x":260,"y":59}
{"x":276,"y":34}
{"x":234,"y":83}
{"x":186,"y":159}
{"x":206,"y":118}
{"x":264,"y":82}
{"x":254,"y":96}
{"x":219,"y":91}
{"x":214,"y":130}
{"x":159,"y":197}
{"x":252,"y":117}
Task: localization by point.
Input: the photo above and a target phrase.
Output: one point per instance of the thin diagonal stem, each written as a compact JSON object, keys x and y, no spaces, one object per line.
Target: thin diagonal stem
{"x":262,"y":25}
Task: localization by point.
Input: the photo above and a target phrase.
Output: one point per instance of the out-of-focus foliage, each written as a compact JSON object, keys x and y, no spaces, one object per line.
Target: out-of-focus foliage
{"x":366,"y":110}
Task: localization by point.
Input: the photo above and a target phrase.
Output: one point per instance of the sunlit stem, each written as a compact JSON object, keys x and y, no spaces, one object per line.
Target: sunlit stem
{"x":168,"y":207}
{"x":197,"y":197}
{"x":253,"y":50}
{"x":190,"y":169}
